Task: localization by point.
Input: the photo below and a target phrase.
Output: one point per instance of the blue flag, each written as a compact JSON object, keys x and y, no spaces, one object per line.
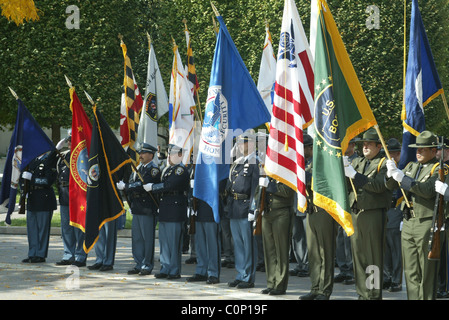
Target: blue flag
{"x":422,"y":85}
{"x":233,"y":105}
{"x":28,"y":141}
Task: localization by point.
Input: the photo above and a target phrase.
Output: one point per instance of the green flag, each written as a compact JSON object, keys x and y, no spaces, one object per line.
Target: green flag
{"x":341,"y":113}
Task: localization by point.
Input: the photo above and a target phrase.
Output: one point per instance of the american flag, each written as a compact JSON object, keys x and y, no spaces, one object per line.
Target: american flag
{"x":292,"y":107}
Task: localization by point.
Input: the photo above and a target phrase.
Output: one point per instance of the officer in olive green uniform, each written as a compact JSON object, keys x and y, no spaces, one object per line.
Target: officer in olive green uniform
{"x":277,"y":222}
{"x":418,"y":180}
{"x":321,"y":233}
{"x":369,"y":212}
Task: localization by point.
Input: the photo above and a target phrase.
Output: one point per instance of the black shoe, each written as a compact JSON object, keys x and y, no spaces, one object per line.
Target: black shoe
{"x":266,"y":290}
{"x":340,"y":278}
{"x":133,"y":271}
{"x":161,"y":275}
{"x":191,"y":261}
{"x":386,"y":285}
{"x":173,"y":276}
{"x":275,"y":292}
{"x":234,"y":283}
{"x":309,"y":296}
{"x":303,"y":274}
{"x":349,"y":281}
{"x":231,"y":265}
{"x":37,"y":260}
{"x":321,"y":297}
{"x":293,"y":272}
{"x":79,"y":264}
{"x":245,"y":285}
{"x":145,"y":272}
{"x":64,"y":262}
{"x":260,"y":267}
{"x":27,"y":260}
{"x":196,"y":278}
{"x":95,"y":266}
{"x":106,"y":268}
{"x":395,"y":287}
{"x":212,"y":280}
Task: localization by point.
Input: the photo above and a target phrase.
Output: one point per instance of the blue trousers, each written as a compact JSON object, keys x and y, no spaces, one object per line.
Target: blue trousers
{"x":245,"y":249}
{"x":170,"y":240}
{"x":38,"y":230}
{"x":72,"y":238}
{"x":143,"y":234}
{"x":106,"y":244}
{"x":208,"y":251}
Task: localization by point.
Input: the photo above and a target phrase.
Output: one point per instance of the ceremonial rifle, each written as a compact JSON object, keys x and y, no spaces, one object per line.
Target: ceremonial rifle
{"x":438,"y":216}
{"x":24,"y":189}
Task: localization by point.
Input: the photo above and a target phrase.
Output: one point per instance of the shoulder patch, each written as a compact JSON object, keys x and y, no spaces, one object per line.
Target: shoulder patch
{"x":154,"y":172}
{"x":179,"y":171}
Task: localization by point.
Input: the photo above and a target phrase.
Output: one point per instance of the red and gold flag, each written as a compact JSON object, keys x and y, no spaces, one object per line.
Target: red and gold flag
{"x":79,"y":162}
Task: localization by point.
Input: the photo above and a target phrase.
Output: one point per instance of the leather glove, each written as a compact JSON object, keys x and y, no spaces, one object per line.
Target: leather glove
{"x":440,"y":187}
{"x":121,"y":185}
{"x":27,"y":175}
{"x":394,"y":172}
{"x":148,"y":186}
{"x":349,"y":169}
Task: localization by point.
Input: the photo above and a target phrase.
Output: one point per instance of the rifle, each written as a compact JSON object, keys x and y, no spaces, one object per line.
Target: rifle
{"x":192,"y":217}
{"x":438,"y":217}
{"x":24,"y":189}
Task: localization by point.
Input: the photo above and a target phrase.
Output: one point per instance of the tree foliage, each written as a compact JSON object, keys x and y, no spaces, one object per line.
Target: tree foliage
{"x":36,"y":55}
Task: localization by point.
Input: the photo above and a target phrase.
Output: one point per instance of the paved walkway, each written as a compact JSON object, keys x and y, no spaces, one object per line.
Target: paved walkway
{"x":48,"y":281}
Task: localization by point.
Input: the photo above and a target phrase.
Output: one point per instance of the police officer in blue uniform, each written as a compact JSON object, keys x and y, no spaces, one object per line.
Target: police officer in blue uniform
{"x":243,"y":181}
{"x":173,"y":190}
{"x":144,"y":207}
{"x":72,"y":237}
{"x":41,"y":201}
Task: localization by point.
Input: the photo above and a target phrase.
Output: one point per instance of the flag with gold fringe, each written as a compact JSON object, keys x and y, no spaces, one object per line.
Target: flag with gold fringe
{"x":108,"y":163}
{"x":341,"y":112}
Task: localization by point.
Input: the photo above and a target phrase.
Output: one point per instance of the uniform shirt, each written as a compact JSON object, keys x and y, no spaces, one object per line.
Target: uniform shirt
{"x":41,"y":196}
{"x":419,"y":182}
{"x":243,"y":181}
{"x":63,"y":179}
{"x":370,"y":184}
{"x":173,"y":190}
{"x":141,"y":202}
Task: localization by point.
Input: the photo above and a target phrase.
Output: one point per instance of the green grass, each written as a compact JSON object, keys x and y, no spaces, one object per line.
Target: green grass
{"x":56,"y":221}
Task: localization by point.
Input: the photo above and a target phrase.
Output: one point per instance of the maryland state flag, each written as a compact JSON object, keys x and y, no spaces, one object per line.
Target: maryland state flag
{"x":133,"y":102}
{"x":341,"y":112}
{"x":79,"y":162}
{"x":107,"y":165}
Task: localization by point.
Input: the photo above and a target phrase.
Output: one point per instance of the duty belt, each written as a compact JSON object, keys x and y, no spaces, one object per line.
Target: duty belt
{"x":240,"y":196}
{"x":38,"y":188}
{"x":173,"y":193}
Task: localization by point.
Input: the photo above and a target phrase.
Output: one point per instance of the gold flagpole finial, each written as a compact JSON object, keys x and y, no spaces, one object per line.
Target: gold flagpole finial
{"x":69,"y":83}
{"x":14,"y":93}
{"x":120,"y":36}
{"x":185,"y":23}
{"x":215,"y":9}
{"x":149,"y":41}
{"x":89,"y":98}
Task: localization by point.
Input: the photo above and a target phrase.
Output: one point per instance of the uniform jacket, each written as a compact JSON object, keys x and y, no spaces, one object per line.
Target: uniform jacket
{"x":420,"y":190}
{"x":41,"y":196}
{"x":369,"y":183}
{"x":242,"y":184}
{"x":173,"y":190}
{"x":63,"y":179}
{"x":140,"y":200}
{"x":278,"y":196}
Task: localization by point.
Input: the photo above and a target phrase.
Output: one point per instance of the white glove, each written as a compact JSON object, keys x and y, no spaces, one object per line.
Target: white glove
{"x":27,"y":175}
{"x":148,"y":186}
{"x":192,"y":183}
{"x":393,"y":171}
{"x":263,"y":181}
{"x":120,"y":185}
{"x":61,"y":144}
{"x":349,"y":169}
{"x":251,"y":217}
{"x":440,"y":187}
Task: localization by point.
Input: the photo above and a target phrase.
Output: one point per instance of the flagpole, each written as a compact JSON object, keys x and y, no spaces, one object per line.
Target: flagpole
{"x":445,"y":104}
{"x":387,"y":153}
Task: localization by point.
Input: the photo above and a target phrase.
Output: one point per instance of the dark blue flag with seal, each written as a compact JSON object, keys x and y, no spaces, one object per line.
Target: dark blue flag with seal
{"x":108,"y":164}
{"x":28,"y":141}
{"x":233,"y":105}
